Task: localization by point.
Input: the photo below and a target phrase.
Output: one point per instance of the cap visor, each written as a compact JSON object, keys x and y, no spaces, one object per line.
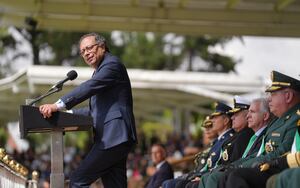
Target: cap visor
{"x":273,"y":88}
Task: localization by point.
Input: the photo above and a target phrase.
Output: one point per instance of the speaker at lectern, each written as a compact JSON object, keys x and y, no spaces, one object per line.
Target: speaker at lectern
{"x":32,"y":121}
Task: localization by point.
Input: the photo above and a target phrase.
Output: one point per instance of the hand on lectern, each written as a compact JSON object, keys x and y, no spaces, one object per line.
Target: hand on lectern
{"x":48,"y":109}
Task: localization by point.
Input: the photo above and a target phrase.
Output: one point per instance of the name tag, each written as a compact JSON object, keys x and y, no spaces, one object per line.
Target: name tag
{"x":276,"y":134}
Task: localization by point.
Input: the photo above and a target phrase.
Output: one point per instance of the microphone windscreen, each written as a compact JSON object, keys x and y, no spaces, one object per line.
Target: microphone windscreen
{"x":72,"y":75}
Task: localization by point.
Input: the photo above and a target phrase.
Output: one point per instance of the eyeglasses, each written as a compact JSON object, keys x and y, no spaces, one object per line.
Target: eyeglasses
{"x":87,"y":49}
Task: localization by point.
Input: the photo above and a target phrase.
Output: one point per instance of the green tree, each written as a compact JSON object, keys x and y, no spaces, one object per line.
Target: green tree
{"x":144,"y":51}
{"x":199,"y":46}
{"x":8,"y":52}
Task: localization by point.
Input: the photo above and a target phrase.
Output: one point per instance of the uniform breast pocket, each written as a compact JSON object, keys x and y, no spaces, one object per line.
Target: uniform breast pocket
{"x":115,"y":115}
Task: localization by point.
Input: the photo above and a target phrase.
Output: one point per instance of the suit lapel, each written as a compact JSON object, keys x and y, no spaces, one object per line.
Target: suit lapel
{"x":256,"y":145}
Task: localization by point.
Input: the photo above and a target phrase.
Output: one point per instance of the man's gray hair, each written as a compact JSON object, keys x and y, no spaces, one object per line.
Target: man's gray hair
{"x":264,"y":104}
{"x":98,"y":38}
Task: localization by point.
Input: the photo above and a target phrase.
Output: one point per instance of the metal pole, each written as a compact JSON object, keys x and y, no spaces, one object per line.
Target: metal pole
{"x":57,"y":168}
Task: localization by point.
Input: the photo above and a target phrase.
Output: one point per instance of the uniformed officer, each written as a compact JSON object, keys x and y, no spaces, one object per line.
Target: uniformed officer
{"x":291,"y":160}
{"x":235,"y":146}
{"x":210,"y":133}
{"x":222,"y":125}
{"x":284,"y":101}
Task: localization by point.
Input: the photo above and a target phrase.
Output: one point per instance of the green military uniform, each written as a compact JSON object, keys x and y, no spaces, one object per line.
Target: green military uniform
{"x":291,"y":160}
{"x":288,"y":178}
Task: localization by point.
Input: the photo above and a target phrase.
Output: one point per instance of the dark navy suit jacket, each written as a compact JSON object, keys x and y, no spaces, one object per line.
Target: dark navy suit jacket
{"x":110,"y":105}
{"x":215,"y":151}
{"x":165,"y":172}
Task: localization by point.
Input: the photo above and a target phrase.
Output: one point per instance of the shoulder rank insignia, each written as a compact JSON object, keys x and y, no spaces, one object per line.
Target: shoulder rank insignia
{"x":225,"y":155}
{"x":269,"y":146}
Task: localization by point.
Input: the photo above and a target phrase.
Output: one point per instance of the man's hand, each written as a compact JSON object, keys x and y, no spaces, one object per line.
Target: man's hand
{"x":48,"y":109}
{"x":196,"y":179}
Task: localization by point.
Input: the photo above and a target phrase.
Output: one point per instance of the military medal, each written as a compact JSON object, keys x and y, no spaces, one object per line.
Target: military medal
{"x":269,"y":147}
{"x":225,"y":155}
{"x":209,"y":162}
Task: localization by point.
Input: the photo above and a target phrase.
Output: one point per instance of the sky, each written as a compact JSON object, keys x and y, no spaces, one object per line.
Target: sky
{"x":260,"y":55}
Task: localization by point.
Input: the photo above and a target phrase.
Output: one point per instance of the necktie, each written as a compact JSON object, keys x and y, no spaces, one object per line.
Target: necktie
{"x":251,"y":141}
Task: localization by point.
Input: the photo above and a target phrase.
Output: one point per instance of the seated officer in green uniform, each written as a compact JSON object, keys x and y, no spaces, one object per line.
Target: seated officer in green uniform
{"x":290,"y":163}
{"x":258,"y":117}
{"x":284,"y":101}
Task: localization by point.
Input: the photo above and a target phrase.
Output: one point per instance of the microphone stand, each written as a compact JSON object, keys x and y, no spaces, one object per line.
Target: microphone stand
{"x":49,"y":92}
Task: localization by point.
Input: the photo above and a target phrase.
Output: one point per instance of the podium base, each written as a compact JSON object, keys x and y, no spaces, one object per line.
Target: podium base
{"x":57,"y":180}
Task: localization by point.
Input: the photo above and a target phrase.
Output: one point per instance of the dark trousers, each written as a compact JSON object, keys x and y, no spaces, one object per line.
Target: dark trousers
{"x":248,"y":178}
{"x":109,"y":164}
{"x":192,"y":184}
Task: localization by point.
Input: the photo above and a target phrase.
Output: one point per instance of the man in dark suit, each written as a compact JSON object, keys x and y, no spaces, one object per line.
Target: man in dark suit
{"x":110,"y":105}
{"x":163,"y":170}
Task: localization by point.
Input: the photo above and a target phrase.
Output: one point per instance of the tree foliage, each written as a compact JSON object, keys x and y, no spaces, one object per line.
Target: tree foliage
{"x":137,"y":50}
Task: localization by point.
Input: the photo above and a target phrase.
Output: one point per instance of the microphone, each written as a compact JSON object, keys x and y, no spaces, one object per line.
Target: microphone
{"x":55,"y":88}
{"x":71,"y":75}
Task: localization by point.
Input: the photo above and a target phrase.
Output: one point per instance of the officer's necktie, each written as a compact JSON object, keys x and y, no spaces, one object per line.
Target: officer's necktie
{"x":251,"y":141}
{"x":262,"y":147}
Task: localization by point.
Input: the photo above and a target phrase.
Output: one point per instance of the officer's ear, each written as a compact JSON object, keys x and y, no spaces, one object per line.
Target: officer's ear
{"x":227,"y":119}
{"x":266,"y":116}
{"x":289,"y":95}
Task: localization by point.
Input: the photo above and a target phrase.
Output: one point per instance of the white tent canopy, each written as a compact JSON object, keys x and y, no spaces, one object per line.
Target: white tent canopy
{"x":153,"y":91}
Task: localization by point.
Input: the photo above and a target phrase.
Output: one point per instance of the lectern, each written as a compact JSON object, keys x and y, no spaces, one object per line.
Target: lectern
{"x":32,"y":121}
